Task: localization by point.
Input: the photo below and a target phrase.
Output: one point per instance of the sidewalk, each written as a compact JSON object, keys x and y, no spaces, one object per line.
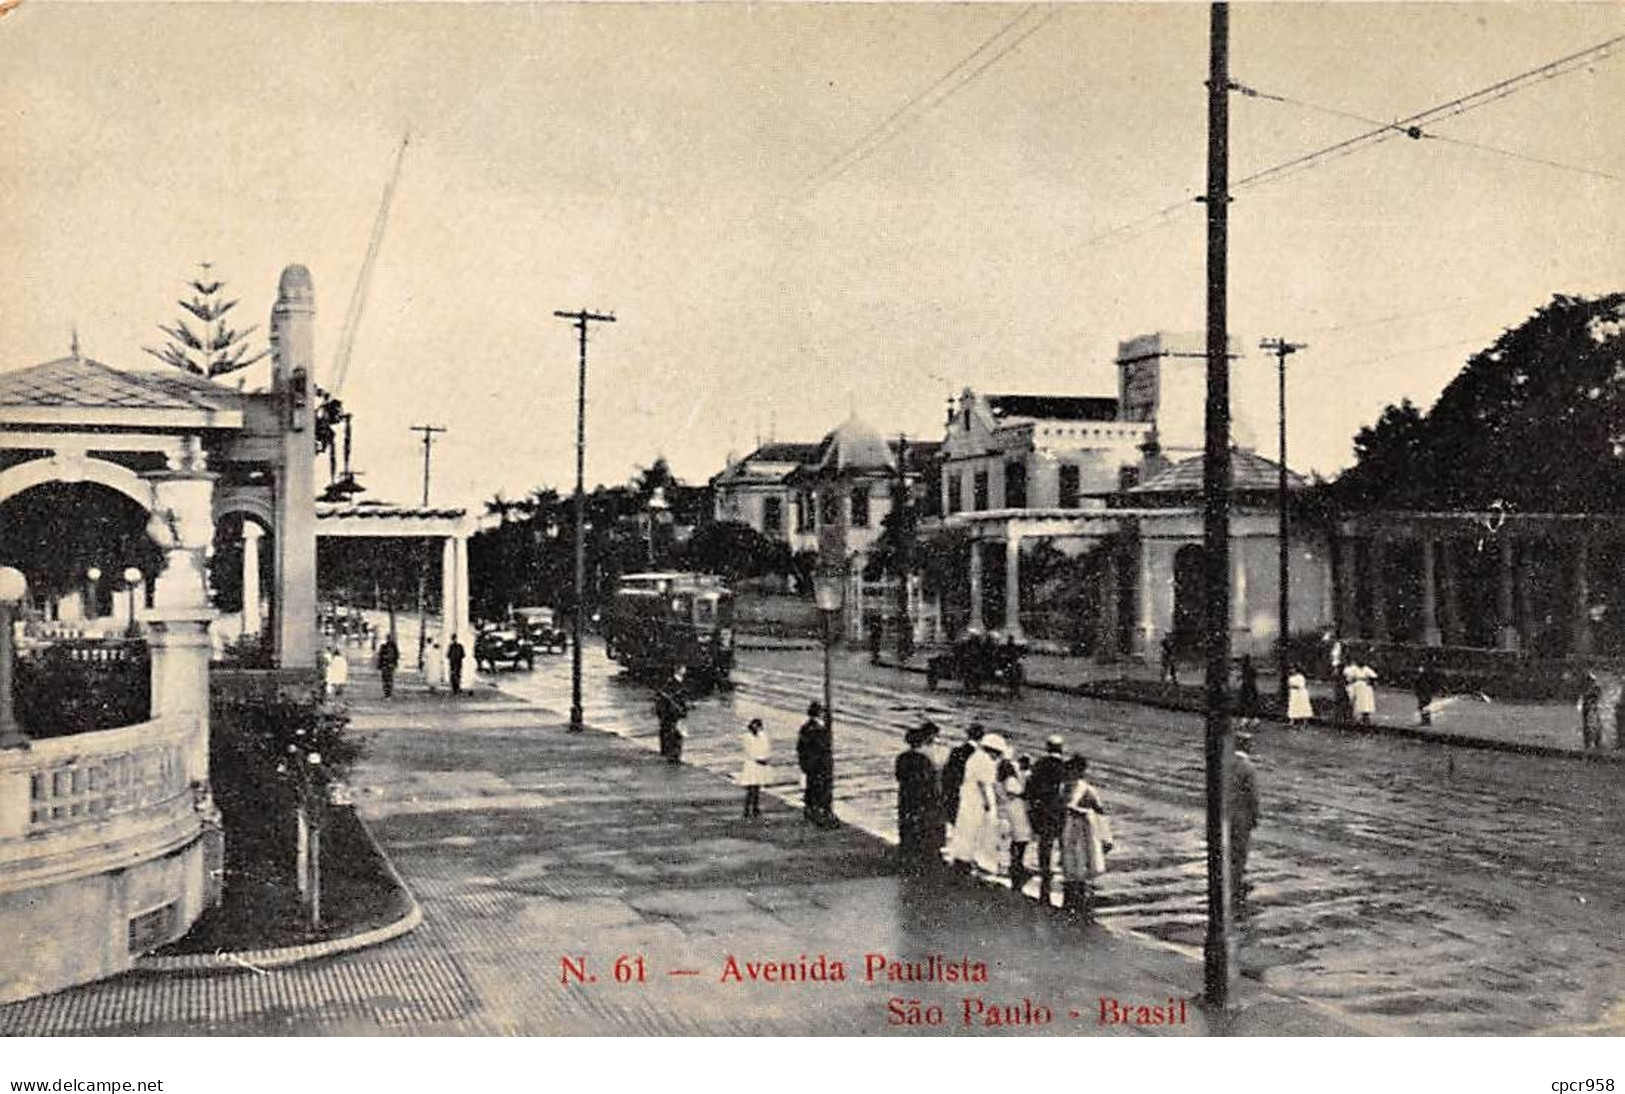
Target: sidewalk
{"x":544,"y":847}
{"x":578,"y":884}
{"x":1542,"y":728}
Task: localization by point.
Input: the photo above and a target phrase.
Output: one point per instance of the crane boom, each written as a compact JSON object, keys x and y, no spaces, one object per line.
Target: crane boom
{"x":363,"y":280}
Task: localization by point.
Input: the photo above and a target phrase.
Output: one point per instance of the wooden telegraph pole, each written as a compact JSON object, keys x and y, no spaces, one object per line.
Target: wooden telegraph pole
{"x":1219,"y":737}
{"x":580,"y":319}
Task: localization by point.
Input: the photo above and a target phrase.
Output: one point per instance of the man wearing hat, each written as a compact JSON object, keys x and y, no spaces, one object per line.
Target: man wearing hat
{"x":1243,"y":813}
{"x":1045,"y":810}
{"x":815,"y":750}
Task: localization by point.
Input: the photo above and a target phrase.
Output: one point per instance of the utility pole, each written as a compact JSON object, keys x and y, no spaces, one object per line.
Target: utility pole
{"x":1216,"y":479}
{"x":903,"y":517}
{"x":428,"y":432}
{"x":580,"y":319}
{"x":1282,"y":350}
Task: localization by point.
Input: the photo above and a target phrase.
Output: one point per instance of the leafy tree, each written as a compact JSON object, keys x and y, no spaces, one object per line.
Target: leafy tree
{"x":1536,"y":421}
{"x":213,"y":349}
{"x":736,"y":551}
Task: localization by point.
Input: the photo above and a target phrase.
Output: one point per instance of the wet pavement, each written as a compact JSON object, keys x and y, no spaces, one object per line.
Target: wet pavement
{"x":1411,"y":886}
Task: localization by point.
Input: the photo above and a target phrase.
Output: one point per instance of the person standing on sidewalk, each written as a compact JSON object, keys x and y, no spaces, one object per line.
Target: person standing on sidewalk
{"x":1243,"y":813}
{"x":337,"y":672}
{"x":1298,"y":708}
{"x":976,"y":834}
{"x":1590,"y":708}
{"x":1170,"y":660}
{"x":919,"y":813}
{"x":1084,"y":841}
{"x":669,"y":712}
{"x":1426,"y":688}
{"x":1013,"y":783}
{"x":1364,"y":692}
{"x":815,"y":752}
{"x":389,"y":657}
{"x":953,"y":770}
{"x":1247,"y":704}
{"x":754,"y":772}
{"x":455,"y":655}
{"x":434,"y":666}
{"x":1046,"y":808}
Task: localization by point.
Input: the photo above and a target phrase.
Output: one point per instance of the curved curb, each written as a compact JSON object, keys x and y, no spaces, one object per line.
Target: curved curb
{"x":222,"y":961}
{"x":1378,"y":729}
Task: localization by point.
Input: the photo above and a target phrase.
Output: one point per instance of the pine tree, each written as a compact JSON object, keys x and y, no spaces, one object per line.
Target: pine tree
{"x":213,"y":348}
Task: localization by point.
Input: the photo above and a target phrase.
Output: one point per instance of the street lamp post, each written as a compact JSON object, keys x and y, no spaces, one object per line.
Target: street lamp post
{"x":132,"y":577}
{"x":659,"y":509}
{"x":13,"y":586}
{"x":92,"y":577}
{"x":829,"y":589}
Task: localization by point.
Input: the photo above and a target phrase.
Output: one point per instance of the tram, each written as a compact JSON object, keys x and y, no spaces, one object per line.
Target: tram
{"x":665,"y":624}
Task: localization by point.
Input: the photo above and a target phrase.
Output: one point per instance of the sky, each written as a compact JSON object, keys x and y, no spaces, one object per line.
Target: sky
{"x":790,"y":212}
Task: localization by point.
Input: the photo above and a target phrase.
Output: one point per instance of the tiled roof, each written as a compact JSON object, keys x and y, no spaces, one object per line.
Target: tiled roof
{"x":80,"y":382}
{"x":1055,"y":408}
{"x":784,"y":452}
{"x":1248,"y":472}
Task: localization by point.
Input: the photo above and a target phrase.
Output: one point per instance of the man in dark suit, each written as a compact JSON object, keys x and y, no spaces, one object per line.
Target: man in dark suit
{"x":815,"y":751}
{"x":455,"y":653}
{"x":1046,"y":812}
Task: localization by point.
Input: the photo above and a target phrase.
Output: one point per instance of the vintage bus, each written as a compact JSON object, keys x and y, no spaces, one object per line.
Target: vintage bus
{"x":672,"y":623}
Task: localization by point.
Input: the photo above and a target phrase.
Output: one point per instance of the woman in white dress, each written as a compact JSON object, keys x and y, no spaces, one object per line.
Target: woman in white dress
{"x":1363,"y":693}
{"x":975,"y":841}
{"x":1013,"y":785}
{"x":434,"y":666}
{"x":1298,"y":708}
{"x":754,"y":771}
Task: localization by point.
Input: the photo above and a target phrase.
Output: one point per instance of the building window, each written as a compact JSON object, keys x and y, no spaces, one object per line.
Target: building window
{"x":1015,"y":485}
{"x":956,"y":492}
{"x":773,"y":516}
{"x":1069,"y":486}
{"x":860,"y":507}
{"x":829,"y":508}
{"x":803,"y":512}
{"x":980,"y":492}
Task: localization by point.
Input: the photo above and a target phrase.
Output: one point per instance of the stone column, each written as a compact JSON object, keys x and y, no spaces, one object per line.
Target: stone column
{"x":252,"y":533}
{"x":1012,"y":586}
{"x":448,"y":590}
{"x":1146,"y":624}
{"x":1503,"y":598}
{"x":976,"y":584}
{"x":1376,"y":586}
{"x":1581,"y":639}
{"x":1450,"y":595}
{"x":461,"y":601}
{"x":1239,"y":623}
{"x":182,"y":525}
{"x":1430,"y":612}
{"x":1106,"y":637}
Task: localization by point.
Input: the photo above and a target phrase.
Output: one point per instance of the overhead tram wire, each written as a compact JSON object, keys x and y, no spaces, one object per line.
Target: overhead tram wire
{"x":898,"y":123}
{"x":816,"y":179}
{"x":1416,"y":132}
{"x":1384,"y":131}
{"x":1411,"y":126}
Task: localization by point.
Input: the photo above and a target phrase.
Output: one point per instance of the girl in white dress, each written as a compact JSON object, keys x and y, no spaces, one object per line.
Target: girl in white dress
{"x":754,"y":771}
{"x":1298,"y":708}
{"x":434,"y":666}
{"x":1363,"y":693}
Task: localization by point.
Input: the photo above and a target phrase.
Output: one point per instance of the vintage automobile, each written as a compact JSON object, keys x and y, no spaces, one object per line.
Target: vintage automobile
{"x":977,"y":660}
{"x":505,"y":645}
{"x":541,"y":626}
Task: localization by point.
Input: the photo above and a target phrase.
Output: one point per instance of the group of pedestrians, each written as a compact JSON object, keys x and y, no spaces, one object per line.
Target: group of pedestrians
{"x":985,"y":807}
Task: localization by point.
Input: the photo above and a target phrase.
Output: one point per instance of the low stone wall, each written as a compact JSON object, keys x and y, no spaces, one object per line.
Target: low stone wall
{"x":107,"y":849}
